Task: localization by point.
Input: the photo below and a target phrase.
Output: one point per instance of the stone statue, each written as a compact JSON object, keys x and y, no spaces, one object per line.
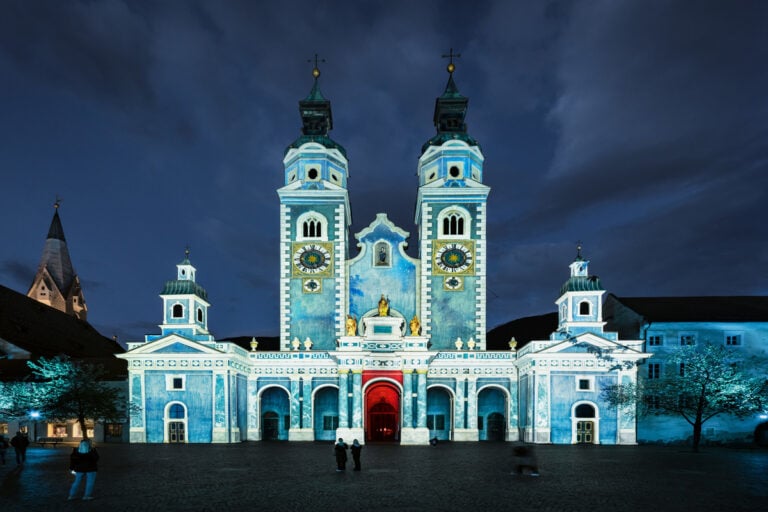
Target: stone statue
{"x":383,"y":306}
{"x":351,"y":325}
{"x":415,"y":326}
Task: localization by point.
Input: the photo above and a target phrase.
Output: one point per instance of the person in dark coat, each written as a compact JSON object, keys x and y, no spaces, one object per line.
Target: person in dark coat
{"x":341,"y":455}
{"x":83,"y":463}
{"x":356,"y":449}
{"x":20,"y":443}
{"x":526,"y":459}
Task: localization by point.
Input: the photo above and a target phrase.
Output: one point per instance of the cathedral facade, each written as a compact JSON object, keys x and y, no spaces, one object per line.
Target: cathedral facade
{"x":382,"y":346}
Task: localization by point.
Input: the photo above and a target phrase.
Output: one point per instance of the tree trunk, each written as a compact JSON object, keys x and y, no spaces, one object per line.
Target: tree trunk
{"x":81,"y":421}
{"x":697,"y":433}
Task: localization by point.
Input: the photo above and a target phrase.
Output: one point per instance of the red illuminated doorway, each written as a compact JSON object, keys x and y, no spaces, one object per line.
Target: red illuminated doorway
{"x":382,"y":410}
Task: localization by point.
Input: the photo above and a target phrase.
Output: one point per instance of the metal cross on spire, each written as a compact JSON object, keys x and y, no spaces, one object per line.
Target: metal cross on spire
{"x":316,"y":70}
{"x":451,"y":55}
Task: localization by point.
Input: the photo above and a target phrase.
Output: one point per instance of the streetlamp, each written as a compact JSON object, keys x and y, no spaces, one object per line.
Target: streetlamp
{"x":34,"y":415}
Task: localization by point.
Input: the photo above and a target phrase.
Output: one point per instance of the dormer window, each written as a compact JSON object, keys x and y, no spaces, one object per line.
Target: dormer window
{"x":178,"y":311}
{"x":454,"y":223}
{"x":312,"y":226}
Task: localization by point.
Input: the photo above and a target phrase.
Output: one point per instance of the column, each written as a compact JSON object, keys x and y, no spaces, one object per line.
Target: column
{"x":459,"y":406}
{"x":295,"y":402}
{"x":343,"y":400}
{"x":357,"y":399}
{"x":407,"y":399}
{"x":421,"y":399}
{"x":472,"y":403}
{"x":306,"y":403}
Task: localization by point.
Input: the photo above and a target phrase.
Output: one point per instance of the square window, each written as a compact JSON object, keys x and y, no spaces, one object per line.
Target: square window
{"x":655,"y":340}
{"x":733,"y":339}
{"x":175,"y":382}
{"x":584,"y":384}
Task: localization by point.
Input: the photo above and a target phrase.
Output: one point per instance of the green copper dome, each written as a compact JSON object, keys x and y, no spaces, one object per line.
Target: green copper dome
{"x":581,"y":284}
{"x":177,"y":287}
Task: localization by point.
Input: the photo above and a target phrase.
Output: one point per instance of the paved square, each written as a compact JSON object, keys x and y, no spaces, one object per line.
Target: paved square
{"x":448,"y":477}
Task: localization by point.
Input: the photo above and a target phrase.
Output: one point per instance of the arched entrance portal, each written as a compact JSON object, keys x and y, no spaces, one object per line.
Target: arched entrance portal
{"x":584,"y":424}
{"x":382,"y":411}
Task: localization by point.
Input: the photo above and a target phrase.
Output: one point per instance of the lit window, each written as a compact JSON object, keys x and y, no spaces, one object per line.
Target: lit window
{"x":654,"y":370}
{"x":655,"y":340}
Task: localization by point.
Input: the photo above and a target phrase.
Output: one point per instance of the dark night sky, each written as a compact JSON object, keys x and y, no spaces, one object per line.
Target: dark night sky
{"x":638,"y":127}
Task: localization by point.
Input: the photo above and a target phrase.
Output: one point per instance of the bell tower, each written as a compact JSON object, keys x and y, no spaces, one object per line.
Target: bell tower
{"x":451,"y":219}
{"x":314,"y":222}
{"x":580,"y":305}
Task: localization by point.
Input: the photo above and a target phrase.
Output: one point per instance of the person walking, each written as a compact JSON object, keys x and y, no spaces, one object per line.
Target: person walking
{"x":526,"y":459}
{"x":340,"y":449}
{"x":356,"y":449}
{"x":83,"y":464}
{"x":3,"y":448}
{"x":20,"y":443}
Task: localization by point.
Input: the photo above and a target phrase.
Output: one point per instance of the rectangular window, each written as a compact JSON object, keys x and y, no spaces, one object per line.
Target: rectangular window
{"x":330,"y":422}
{"x":585,"y":384}
{"x":60,"y":430}
{"x":114,"y":430}
{"x":175,"y":382}
{"x":732,"y":340}
{"x":687,"y":339}
{"x":654,"y":370}
{"x":655,"y":340}
{"x":682,"y":369}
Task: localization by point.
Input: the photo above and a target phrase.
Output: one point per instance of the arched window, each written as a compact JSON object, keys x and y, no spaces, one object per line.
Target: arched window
{"x":178,"y":311}
{"x":584,"y":308}
{"x":199,"y":314}
{"x":584,"y":411}
{"x":311,"y":226}
{"x":176,"y":411}
{"x":454,"y":223}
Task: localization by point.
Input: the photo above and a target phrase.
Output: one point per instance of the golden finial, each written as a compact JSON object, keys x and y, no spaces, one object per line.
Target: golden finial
{"x":57,"y":203}
{"x":316,"y":70}
{"x":451,"y":66}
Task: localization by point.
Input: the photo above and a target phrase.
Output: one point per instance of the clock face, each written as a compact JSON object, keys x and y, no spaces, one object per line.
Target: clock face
{"x":453,"y":258}
{"x":312,"y":259}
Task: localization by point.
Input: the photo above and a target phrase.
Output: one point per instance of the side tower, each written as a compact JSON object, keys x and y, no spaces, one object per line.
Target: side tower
{"x":580,"y":305}
{"x":314,"y":223}
{"x":185,"y":306}
{"x":56,"y":283}
{"x":451,"y":218}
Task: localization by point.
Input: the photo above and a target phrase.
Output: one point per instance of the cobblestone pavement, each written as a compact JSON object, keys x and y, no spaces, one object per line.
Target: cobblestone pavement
{"x":448,"y":477}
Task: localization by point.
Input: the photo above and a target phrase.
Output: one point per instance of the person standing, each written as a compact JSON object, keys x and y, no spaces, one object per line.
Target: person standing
{"x":340,"y":451}
{"x":20,"y":443}
{"x":3,"y":447}
{"x":356,"y":449}
{"x":83,"y":463}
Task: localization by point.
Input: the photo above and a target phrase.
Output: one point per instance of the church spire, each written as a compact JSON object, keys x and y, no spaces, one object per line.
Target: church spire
{"x":450,"y":112}
{"x":316,"y":116}
{"x":56,"y":283}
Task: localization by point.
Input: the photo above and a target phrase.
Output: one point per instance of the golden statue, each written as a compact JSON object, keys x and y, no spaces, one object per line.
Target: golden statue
{"x":383,"y":306}
{"x":351,"y":326}
{"x":415,"y":326}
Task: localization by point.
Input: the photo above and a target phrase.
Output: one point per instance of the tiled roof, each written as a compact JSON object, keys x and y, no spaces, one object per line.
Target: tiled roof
{"x":44,"y":331}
